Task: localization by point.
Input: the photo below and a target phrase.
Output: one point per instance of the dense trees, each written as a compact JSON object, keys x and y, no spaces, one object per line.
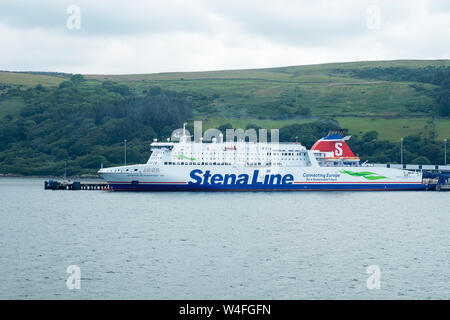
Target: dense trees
{"x":307,"y":133}
{"x":85,"y":125}
{"x":417,"y":149}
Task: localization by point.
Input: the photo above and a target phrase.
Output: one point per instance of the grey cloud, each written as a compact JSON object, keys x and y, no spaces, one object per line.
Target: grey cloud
{"x":299,"y":24}
{"x":439,"y":6}
{"x":33,"y":14}
{"x":107,"y":17}
{"x":317,"y":23}
{"x":179,"y":35}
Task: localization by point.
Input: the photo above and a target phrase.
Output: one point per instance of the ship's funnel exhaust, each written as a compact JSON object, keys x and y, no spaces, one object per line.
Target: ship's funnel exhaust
{"x":334,"y":142}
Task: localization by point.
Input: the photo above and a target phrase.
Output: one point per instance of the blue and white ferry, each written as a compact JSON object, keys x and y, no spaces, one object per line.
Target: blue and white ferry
{"x":257,"y":166}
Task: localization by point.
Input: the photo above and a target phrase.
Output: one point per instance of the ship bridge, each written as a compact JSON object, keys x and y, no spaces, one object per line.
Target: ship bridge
{"x":325,"y":153}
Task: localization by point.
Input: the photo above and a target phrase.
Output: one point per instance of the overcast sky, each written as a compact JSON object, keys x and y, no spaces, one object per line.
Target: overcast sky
{"x":181,"y":35}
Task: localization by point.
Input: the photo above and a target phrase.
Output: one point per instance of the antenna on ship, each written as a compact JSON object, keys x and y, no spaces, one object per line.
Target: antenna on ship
{"x":184,"y":139}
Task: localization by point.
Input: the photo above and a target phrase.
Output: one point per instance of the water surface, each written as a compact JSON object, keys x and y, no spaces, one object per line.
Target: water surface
{"x":219,"y":245}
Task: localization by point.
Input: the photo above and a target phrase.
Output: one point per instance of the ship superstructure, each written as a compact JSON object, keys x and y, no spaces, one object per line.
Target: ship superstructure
{"x":256,"y":166}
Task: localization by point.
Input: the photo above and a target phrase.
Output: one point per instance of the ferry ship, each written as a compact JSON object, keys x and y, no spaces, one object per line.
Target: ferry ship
{"x":257,"y":166}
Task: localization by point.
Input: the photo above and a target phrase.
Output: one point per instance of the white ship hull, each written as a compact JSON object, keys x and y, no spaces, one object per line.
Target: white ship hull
{"x":210,"y":178}
{"x":239,"y":166}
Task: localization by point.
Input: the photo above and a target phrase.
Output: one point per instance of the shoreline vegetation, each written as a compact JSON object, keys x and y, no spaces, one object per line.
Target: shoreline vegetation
{"x":74,"y":177}
{"x":49,"y":121}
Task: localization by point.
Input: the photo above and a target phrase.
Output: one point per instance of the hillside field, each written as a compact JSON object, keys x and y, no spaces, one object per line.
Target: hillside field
{"x":256,"y":96}
{"x":50,"y":121}
{"x":253,"y":96}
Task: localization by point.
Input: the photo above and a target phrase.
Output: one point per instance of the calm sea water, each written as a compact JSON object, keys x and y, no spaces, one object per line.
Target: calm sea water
{"x":313,"y":245}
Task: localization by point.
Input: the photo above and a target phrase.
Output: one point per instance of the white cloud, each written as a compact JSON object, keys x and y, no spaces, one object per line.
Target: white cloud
{"x":175,"y":35}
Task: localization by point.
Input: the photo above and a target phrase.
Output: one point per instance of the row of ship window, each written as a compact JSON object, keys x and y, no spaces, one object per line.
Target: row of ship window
{"x":154,"y":170}
{"x":222,"y":163}
{"x":251,"y":153}
{"x":199,"y":163}
{"x":216,"y":163}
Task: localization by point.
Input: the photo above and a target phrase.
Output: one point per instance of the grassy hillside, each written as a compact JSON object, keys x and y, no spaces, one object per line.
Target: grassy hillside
{"x":50,"y":119}
{"x":253,"y":96}
{"x":30,"y":79}
{"x":12,"y":80}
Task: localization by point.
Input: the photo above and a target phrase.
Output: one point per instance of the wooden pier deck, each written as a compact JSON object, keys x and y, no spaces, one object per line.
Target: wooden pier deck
{"x":75,"y":185}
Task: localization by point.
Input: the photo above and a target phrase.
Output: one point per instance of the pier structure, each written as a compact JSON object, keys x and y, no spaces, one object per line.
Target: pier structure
{"x":422,"y":167}
{"x":435,"y":177}
{"x":75,"y":185}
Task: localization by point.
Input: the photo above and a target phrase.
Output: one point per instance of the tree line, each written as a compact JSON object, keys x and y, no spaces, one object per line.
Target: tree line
{"x":83,"y":124}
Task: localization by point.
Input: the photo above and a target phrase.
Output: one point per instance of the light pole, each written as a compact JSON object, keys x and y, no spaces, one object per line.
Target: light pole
{"x":401,"y":151}
{"x":125,"y":152}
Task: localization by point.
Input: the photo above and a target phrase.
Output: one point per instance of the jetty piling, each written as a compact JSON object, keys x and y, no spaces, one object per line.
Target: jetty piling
{"x":75,"y":185}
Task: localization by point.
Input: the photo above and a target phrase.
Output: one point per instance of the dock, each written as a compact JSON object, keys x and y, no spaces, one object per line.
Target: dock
{"x":443,"y":187}
{"x":417,"y":167}
{"x":75,"y":185}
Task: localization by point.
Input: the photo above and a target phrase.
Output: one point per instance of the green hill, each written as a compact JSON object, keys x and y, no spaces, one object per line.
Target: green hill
{"x":47,"y":119}
{"x":31,"y":79}
{"x":287,"y":94}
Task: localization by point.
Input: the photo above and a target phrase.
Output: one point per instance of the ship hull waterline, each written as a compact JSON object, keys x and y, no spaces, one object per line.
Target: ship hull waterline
{"x":294,"y":187}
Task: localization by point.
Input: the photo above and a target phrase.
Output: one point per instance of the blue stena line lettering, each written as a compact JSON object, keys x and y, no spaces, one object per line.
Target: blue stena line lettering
{"x":207,"y":178}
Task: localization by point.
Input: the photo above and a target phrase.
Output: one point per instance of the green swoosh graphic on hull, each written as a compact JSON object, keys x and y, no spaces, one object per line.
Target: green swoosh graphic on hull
{"x":184,"y":157}
{"x":365,"y":174}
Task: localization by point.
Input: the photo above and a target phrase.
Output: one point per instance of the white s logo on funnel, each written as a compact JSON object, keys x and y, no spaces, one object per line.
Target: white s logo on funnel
{"x":338,"y":147}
